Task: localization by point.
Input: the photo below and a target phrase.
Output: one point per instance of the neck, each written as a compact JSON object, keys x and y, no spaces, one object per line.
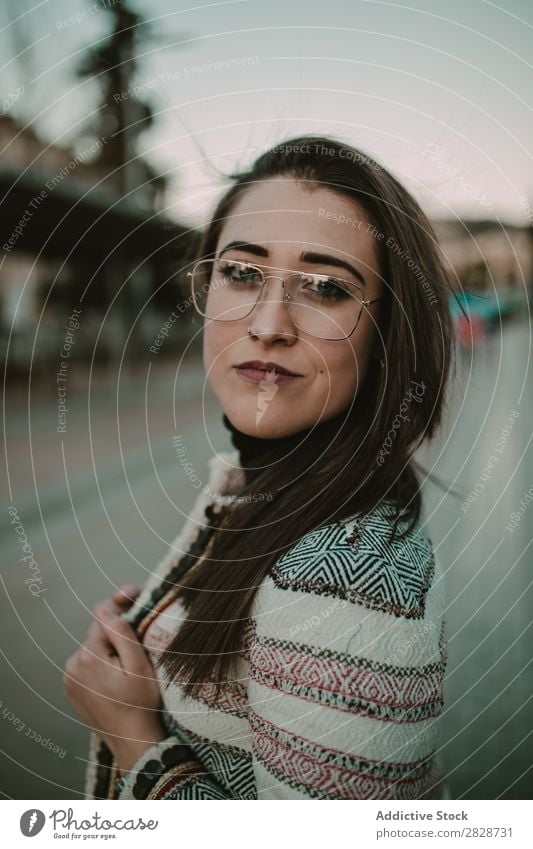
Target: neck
{"x":256,"y":453}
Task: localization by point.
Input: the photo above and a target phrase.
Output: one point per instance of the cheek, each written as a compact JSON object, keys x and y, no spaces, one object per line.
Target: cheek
{"x":339,"y":365}
{"x":218,"y":347}
{"x":342,"y":374}
{"x":214,"y":343}
{"x":208,"y":349}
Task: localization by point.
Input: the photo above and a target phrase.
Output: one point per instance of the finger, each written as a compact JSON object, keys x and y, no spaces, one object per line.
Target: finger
{"x":119,"y":601}
{"x":98,"y":639}
{"x":89,"y":652}
{"x":126,"y":594}
{"x":102,"y":610}
{"x":131,"y":652}
{"x":108,"y":607}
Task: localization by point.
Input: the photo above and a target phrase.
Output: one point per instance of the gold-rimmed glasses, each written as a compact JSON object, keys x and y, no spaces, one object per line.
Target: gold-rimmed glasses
{"x":320,"y":305}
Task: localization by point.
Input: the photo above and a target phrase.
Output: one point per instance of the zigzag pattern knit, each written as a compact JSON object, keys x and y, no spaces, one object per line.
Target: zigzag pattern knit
{"x":340,"y":682}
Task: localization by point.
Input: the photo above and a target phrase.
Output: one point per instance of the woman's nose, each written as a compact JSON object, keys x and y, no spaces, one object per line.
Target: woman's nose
{"x":270,"y":317}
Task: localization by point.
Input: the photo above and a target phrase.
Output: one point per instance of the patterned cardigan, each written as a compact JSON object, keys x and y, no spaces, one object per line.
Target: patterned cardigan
{"x":340,"y":683}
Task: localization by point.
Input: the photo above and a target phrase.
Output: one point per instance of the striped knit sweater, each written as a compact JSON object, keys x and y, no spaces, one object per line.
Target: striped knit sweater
{"x":340,"y":679}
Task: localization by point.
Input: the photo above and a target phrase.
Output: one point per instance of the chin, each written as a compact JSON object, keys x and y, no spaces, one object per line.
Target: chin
{"x":264,"y":427}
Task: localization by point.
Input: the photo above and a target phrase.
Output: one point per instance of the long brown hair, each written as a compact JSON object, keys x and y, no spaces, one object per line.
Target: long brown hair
{"x":347,"y":477}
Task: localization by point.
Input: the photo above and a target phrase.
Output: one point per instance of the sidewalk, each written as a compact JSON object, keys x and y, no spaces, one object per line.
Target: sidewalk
{"x":107,"y":427}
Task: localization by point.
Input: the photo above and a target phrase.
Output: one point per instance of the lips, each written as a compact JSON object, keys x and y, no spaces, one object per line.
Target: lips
{"x":263,"y":373}
{"x":267,"y":366}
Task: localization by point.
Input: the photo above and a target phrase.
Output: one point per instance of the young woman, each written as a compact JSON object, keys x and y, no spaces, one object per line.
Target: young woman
{"x":291,"y":643}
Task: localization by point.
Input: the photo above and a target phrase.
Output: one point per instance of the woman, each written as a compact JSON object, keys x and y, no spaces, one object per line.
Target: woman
{"x":291,"y":643}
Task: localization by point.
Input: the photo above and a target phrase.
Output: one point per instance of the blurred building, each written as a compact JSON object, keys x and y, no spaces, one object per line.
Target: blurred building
{"x":71,"y":237}
{"x":486,"y":255}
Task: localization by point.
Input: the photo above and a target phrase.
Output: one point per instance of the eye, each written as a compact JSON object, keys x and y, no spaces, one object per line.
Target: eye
{"x":239,"y":272}
{"x":327,"y":288}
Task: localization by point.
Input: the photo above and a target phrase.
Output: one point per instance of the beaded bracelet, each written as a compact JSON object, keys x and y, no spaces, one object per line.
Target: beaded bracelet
{"x":154,"y":769}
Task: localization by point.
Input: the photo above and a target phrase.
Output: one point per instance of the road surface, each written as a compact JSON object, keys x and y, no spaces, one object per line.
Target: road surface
{"x":99,"y":503}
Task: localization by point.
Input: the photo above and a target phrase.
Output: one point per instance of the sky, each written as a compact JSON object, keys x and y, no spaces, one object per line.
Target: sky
{"x":440,"y":93}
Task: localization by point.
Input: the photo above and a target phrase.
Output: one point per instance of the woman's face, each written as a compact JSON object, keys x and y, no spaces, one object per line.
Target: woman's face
{"x":280,"y":221}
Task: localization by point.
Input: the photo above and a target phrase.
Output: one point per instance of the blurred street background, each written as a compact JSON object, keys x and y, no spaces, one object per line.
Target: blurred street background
{"x":114,"y":120}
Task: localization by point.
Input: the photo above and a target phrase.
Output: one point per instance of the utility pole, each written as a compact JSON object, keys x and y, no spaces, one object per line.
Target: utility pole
{"x":122,"y":118}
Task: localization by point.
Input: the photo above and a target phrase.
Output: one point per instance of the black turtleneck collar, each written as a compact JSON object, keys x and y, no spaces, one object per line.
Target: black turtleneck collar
{"x":255,"y":452}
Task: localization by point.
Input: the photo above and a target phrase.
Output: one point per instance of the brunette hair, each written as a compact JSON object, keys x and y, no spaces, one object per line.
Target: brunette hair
{"x":344,"y":477}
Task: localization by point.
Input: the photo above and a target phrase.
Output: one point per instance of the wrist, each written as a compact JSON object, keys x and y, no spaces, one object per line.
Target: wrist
{"x":127,"y":752}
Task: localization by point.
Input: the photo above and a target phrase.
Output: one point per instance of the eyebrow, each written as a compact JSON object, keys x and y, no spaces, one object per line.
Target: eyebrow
{"x":306,"y":256}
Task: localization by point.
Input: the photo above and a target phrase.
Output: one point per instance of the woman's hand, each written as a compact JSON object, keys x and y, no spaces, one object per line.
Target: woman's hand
{"x":111,"y":683}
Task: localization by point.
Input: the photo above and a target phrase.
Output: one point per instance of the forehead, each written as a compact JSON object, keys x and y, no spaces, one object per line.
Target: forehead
{"x":284,"y":215}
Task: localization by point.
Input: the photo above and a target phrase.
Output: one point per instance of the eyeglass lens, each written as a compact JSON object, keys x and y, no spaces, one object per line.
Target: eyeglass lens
{"x":319,"y":304}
